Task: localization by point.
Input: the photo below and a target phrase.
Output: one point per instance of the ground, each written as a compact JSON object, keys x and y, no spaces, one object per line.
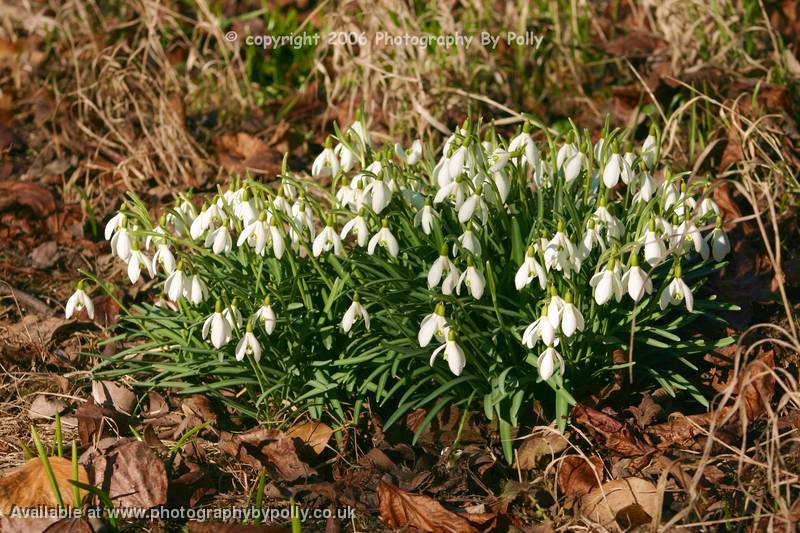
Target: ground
{"x":98,"y":99}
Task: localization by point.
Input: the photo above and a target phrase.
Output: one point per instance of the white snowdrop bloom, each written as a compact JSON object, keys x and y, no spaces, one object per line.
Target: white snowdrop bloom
{"x":591,"y":236}
{"x":502,"y":182}
{"x":571,"y":317}
{"x":645,"y":188}
{"x":157,"y":234}
{"x":540,"y":329}
{"x":720,"y":245}
{"x":555,"y":308}
{"x":597,"y":150}
{"x":469,"y":241}
{"x":451,"y":280}
{"x":708,"y":207}
{"x":176,"y":284}
{"x":216,"y":328}
{"x":452,"y":353}
{"x":529,"y":269}
{"x":345,"y":194}
{"x":685,"y":204}
{"x":326,"y":240}
{"x":121,"y":243}
{"x":654,"y":249}
{"x":182,"y":217}
{"x":326,"y":163}
{"x":649,"y":148}
{"x":457,"y":162}
{"x":233,"y":315}
{"x":359,"y":132}
{"x":424,"y":217}
{"x":523,"y":141}
{"x":278,"y":245}
{"x":627,"y":174}
{"x":255,"y":234}
{"x":220,"y":240}
{"x":266,"y":315}
{"x":136,"y":262}
{"x":412,"y":156}
{"x":573,"y":166}
{"x":458,"y":189}
{"x":560,"y":253}
{"x":473,"y":203}
{"x":354,"y":312}
{"x":164,"y":258}
{"x":199,"y":224}
{"x":379,"y":194}
{"x":473,"y":279}
{"x":357,"y":225}
{"x":549,"y":362}
{"x":197,"y":291}
{"x":248,"y":345}
{"x":79,"y":300}
{"x":442,"y":266}
{"x":676,"y":292}
{"x":245,"y":210}
{"x":614,"y":228}
{"x":384,"y":239}
{"x":433,"y":325}
{"x":347,"y":159}
{"x":668,"y":192}
{"x":566,"y":151}
{"x":689,"y":237}
{"x":498,"y":160}
{"x":635,"y":281}
{"x":606,"y":284}
{"x":303,"y":216}
{"x":280,"y":203}
{"x":116,"y":222}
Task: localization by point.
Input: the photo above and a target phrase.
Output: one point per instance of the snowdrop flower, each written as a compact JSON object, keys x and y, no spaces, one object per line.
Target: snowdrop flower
{"x":355,"y":311}
{"x":218,"y":328}
{"x":566,"y":151}
{"x":256,"y":234}
{"x":266,"y":315}
{"x":79,"y":300}
{"x":469,"y":241}
{"x":176,"y":284}
{"x":474,"y":202}
{"x":677,"y":291}
{"x":196,"y":291}
{"x":302,"y":216}
{"x":645,"y":188}
{"x":199,"y":224}
{"x":720,"y":245}
{"x":433,"y":325}
{"x":412,"y":156}
{"x":457,"y":189}
{"x":654,"y":249}
{"x":116,"y":222}
{"x":524,"y":142}
{"x":649,"y":148}
{"x":453,"y":354}
{"x":233,"y":315}
{"x":708,"y":206}
{"x":540,"y":329}
{"x":121,"y":242}
{"x":163,"y":257}
{"x":498,"y":160}
{"x":626,"y":172}
{"x":347,"y":158}
{"x":668,"y":192}
{"x":281,"y":203}
{"x":614,"y":228}
{"x":345,"y":193}
{"x":248,"y":345}
{"x":424,"y":217}
{"x":635,"y":281}
{"x":385,"y":239}
{"x":502,"y":181}
{"x":326,"y":163}
{"x":548,"y":362}
{"x":606,"y":284}
{"x":183,"y":216}
{"x":220,"y":240}
{"x":688,"y":236}
{"x":244,"y":207}
{"x":442,"y":265}
{"x":560,"y":253}
{"x":529,"y":269}
{"x":326,"y":240}
{"x":359,"y":226}
{"x":457,"y":162}
{"x":571,"y":317}
{"x":379,"y":194}
{"x":473,"y":279}
{"x":590,"y":237}
{"x":555,"y":308}
{"x":136,"y":261}
{"x":573,"y":166}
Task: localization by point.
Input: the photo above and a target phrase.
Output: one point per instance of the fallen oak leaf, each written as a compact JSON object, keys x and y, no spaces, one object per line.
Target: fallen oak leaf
{"x":29,"y":485}
{"x":267,"y":448}
{"x":399,"y":509}
{"x":314,"y":434}
{"x":537,"y":446}
{"x":629,"y":502}
{"x":578,"y":475}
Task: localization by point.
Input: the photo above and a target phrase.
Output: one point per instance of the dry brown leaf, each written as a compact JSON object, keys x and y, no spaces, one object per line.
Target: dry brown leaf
{"x":46,"y":406}
{"x":113,"y":395}
{"x":25,"y":194}
{"x":314,"y":434}
{"x":131,"y":475}
{"x":578,"y":476}
{"x":629,"y":502}
{"x":538,"y":446}
{"x":29,"y":486}
{"x":400,"y":509}
{"x":617,"y":436}
{"x":267,"y":448}
{"x":222,"y":527}
{"x":758,"y":384}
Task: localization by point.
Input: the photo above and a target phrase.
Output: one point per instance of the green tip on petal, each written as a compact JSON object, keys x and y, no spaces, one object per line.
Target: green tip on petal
{"x":328,"y":142}
{"x":570,"y":137}
{"x":385,"y":223}
{"x":249,"y":327}
{"x":568,"y":297}
{"x":531,"y":251}
{"x":470,"y":261}
{"x":678,"y":270}
{"x":79,"y":286}
{"x":634,"y":261}
{"x":451,"y":335}
{"x":718,"y":222}
{"x":443,"y":250}
{"x":439,"y":309}
{"x":561,"y":227}
{"x":652,"y":224}
{"x":526,"y":127}
{"x":356,"y":297}
{"x":611,"y":263}
{"x":267,"y":300}
{"x":218,"y":307}
{"x":553,"y":291}
{"x":428,"y":201}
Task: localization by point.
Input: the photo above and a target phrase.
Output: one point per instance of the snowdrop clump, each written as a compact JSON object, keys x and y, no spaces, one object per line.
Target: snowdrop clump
{"x":493,"y":267}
